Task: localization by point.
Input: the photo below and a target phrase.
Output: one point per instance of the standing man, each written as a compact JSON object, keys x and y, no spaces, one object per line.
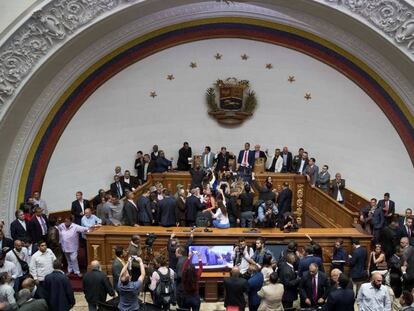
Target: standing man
{"x":322,"y":182}
{"x":96,"y":286}
{"x":388,"y":206}
{"x":290,"y":281}
{"x":313,"y":287}
{"x":255,"y":283}
{"x":275,"y":163}
{"x":183,"y":155}
{"x":337,"y":187}
{"x":130,"y":211}
{"x":342,"y":299}
{"x":374,"y":295}
{"x":222,"y":159}
{"x":287,"y":160}
{"x":259,"y":153}
{"x":118,"y":187}
{"x":166,"y":207}
{"x":207,"y":158}
{"x":144,"y":209}
{"x":312,"y":172}
{"x":78,"y":207}
{"x":18,"y":256}
{"x":41,"y":264}
{"x":162,"y":164}
{"x":121,"y":256}
{"x":145,"y":169}
{"x":357,"y":263}
{"x":58,"y":290}
{"x":245,"y":162}
{"x":39,"y":201}
{"x":38,"y":226}
{"x":241,"y":256}
{"x":69,"y":240}
{"x":19,"y":227}
{"x":260,"y":253}
{"x":235,"y":288}
{"x":284,"y":201}
{"x":193,"y":206}
{"x":302,"y":163}
{"x":129,"y":290}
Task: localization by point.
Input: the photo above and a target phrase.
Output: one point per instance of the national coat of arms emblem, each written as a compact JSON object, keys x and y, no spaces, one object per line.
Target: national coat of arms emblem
{"x":233,"y":103}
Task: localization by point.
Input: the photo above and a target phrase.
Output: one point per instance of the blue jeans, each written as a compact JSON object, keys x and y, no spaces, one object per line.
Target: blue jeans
{"x":246,"y":219}
{"x":217,"y":224}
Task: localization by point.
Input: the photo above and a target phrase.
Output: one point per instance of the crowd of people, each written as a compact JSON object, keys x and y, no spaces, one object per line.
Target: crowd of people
{"x":221,"y":195}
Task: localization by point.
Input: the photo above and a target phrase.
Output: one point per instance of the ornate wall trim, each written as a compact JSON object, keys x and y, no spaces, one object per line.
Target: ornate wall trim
{"x":393,"y":19}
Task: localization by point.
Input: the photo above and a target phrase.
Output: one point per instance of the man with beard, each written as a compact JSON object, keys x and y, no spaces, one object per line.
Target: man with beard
{"x":373,"y":295}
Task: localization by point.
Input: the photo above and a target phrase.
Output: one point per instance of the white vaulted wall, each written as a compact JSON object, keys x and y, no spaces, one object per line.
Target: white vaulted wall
{"x":340,"y":126}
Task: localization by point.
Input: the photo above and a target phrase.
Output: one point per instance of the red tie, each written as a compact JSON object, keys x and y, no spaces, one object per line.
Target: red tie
{"x":314,"y":289}
{"x":245,"y":158}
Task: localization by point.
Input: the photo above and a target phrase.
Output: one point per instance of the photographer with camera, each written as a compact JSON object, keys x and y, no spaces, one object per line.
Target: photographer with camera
{"x":241,"y":256}
{"x":267,"y":214}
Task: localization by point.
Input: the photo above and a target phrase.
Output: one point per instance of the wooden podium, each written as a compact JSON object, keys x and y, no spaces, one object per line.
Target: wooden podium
{"x":259,"y":165}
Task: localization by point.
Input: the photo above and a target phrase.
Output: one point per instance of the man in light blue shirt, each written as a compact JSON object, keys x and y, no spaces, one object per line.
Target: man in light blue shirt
{"x":89,"y":220}
{"x":374,"y":296}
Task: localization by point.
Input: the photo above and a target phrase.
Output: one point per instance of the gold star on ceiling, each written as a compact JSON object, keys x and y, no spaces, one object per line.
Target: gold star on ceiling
{"x":244,"y":56}
{"x":170,"y":77}
{"x":308,"y":96}
{"x":153,"y":94}
{"x":193,"y":65}
{"x":291,"y":79}
{"x":269,"y":66}
{"x":218,"y":56}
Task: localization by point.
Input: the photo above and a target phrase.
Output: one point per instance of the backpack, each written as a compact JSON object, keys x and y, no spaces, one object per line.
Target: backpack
{"x":164,"y":291}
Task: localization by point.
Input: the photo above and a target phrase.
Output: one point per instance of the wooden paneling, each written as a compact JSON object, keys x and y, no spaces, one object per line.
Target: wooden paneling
{"x":326,"y":211}
{"x":354,"y":201}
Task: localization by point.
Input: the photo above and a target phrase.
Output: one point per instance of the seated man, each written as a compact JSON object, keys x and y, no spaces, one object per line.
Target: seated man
{"x":267,"y":214}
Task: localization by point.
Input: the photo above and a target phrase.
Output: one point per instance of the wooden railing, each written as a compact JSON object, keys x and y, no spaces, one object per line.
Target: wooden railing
{"x":327,"y":212}
{"x":354,"y":201}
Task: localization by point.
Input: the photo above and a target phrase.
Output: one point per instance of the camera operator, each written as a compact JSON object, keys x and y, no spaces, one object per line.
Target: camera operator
{"x":267,"y":214}
{"x":173,"y":244}
{"x":241,"y":256}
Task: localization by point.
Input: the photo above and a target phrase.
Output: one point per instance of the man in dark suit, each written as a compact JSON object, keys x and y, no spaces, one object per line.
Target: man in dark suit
{"x":154,"y":153}
{"x":19,"y":227}
{"x":308,"y":259}
{"x":290,"y":281}
{"x":284,"y":201}
{"x":245,"y":162}
{"x":38,"y":226}
{"x":121,"y":256}
{"x":222,"y":159}
{"x":192,"y":207}
{"x":255,"y":283}
{"x":118,"y":187}
{"x":313,"y":287}
{"x":162,"y":164}
{"x":26,"y":302}
{"x":378,"y":222}
{"x":407,"y":230}
{"x":388,"y":206}
{"x":144,"y":169}
{"x":144,"y":209}
{"x":343,"y":298}
{"x":197,"y":176}
{"x":301,"y":162}
{"x":259,"y":153}
{"x":130,"y":211}
{"x":166,"y":207}
{"x":287,"y":160}
{"x":183,"y":154}
{"x":130,"y":182}
{"x":78,"y":208}
{"x":58,"y":290}
{"x":357,"y":263}
{"x":96,"y":286}
{"x":235,"y":287}
{"x":402,"y":219}
{"x":6,"y":244}
{"x":337,"y":187}
{"x":265,"y":193}
{"x":311,"y":172}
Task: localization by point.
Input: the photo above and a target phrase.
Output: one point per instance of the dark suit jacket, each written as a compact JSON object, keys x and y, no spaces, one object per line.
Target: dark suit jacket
{"x":306,"y":261}
{"x":250,"y":158}
{"x":290,"y":281}
{"x":391,"y":207}
{"x":223,"y":161}
{"x":7,"y":243}
{"x":285,"y":201}
{"x":235,"y":287}
{"x":130,"y":214}
{"x":76,"y":210}
{"x":161,"y":165}
{"x":255,"y":284}
{"x":378,"y":219}
{"x":197,"y":176}
{"x":288,"y":167}
{"x":35,"y":229}
{"x":144,"y":210}
{"x":34,"y":305}
{"x":59,"y":292}
{"x":358,"y":263}
{"x":17,"y":231}
{"x":96,"y":286}
{"x":116,"y":272}
{"x":140,"y":171}
{"x":340,"y":300}
{"x":166,"y":215}
{"x":133,"y":182}
{"x":182,"y":162}
{"x":335,"y":188}
{"x":114,"y":189}
{"x":305,"y":290}
{"x":192,"y":207}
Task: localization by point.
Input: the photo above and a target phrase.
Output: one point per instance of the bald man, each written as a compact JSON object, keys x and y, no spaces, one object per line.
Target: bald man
{"x":96,"y":286}
{"x":374,"y":295}
{"x":235,"y":288}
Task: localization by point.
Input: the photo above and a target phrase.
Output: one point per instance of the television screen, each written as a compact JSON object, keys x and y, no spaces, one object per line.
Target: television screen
{"x":214,"y":257}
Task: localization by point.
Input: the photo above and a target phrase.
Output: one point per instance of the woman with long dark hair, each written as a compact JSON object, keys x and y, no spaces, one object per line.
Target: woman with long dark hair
{"x":190,"y":280}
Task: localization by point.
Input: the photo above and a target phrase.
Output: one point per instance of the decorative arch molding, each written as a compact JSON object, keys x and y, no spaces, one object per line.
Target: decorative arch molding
{"x":26,"y":163}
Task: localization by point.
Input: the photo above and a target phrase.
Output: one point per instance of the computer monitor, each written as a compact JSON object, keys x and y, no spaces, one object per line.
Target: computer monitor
{"x":214,"y":257}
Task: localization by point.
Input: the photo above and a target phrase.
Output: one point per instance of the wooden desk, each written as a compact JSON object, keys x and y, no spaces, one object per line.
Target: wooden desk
{"x":102,"y":242}
{"x":211,"y":281}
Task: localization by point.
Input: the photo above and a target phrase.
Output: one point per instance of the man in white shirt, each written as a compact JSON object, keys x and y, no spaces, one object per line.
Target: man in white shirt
{"x":16,"y":256}
{"x":41,"y":263}
{"x":374,"y":296}
{"x":9,"y":267}
{"x":275,"y":163}
{"x":241,"y":255}
{"x":207,"y":158}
